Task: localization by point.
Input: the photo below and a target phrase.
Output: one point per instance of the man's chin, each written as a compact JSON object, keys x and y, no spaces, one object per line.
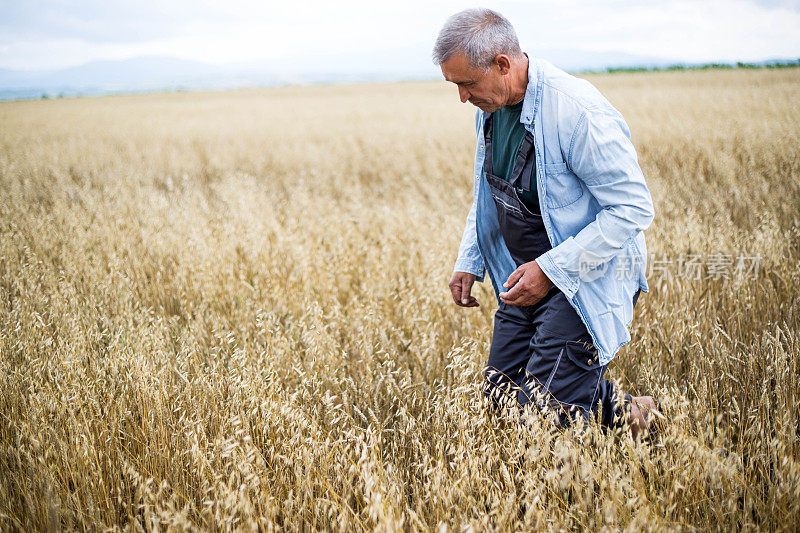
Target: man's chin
{"x":487,"y":108}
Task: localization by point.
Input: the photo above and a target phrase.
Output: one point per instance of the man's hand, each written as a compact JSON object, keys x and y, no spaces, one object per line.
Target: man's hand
{"x":460,"y":286}
{"x":528,"y":285}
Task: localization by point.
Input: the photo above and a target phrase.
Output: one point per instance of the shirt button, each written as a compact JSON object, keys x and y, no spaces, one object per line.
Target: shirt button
{"x":589,"y":362}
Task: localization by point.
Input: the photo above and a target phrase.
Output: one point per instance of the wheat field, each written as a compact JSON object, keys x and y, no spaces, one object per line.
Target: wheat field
{"x":229,"y":311}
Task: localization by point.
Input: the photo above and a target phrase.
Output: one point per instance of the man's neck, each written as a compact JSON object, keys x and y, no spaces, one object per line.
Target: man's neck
{"x":519,"y":82}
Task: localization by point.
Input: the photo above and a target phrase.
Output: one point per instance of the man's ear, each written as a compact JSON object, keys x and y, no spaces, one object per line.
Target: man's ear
{"x":503,"y":63}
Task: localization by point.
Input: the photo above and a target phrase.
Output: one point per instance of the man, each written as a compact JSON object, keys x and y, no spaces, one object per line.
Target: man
{"x":558,"y":211}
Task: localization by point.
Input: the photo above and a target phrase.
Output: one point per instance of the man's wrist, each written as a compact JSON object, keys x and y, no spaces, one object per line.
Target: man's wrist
{"x":549,"y":281}
{"x":470,"y":267}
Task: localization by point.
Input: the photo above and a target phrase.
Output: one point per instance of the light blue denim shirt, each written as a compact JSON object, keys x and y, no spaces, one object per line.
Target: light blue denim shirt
{"x":594,"y":203}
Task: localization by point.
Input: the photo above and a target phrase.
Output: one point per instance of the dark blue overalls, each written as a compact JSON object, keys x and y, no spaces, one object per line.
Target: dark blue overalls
{"x":540,"y":353}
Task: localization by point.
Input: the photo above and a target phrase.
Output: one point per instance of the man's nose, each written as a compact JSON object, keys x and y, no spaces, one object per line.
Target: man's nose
{"x":463,"y":94}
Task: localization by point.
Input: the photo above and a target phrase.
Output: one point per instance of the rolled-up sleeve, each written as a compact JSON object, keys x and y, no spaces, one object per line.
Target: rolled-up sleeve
{"x":602,"y":156}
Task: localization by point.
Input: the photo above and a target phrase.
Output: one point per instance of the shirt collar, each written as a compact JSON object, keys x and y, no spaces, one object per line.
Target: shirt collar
{"x":529,"y":104}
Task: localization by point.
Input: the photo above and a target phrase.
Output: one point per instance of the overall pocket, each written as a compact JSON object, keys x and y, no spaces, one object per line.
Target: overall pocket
{"x":574,"y":380}
{"x":532,"y":217}
{"x":523,"y":232}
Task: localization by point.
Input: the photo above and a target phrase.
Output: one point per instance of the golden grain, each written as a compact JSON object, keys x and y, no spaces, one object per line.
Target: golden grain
{"x":229,"y":311}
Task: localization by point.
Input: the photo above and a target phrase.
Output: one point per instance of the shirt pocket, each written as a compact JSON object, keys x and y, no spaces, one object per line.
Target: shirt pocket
{"x":563,"y":187}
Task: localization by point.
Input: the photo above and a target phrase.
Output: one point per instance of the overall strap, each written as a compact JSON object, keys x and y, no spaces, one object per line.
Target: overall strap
{"x":525,"y":152}
{"x":487,"y":151}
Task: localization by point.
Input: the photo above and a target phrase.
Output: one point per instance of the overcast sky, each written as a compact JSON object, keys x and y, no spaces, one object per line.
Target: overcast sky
{"x":38,"y":34}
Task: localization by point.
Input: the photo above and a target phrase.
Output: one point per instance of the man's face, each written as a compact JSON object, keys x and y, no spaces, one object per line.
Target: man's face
{"x":486,"y":90}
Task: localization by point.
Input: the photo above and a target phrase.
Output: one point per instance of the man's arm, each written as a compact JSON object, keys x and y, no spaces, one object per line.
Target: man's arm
{"x":469,"y":256}
{"x":602,"y":156}
{"x":469,"y":264}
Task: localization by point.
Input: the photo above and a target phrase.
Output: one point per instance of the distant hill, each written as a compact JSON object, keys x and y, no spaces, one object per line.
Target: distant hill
{"x":147,"y":73}
{"x":581,"y":61}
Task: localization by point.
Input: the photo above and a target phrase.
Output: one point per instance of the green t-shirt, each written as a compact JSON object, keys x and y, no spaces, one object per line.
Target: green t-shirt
{"x":507,"y":135}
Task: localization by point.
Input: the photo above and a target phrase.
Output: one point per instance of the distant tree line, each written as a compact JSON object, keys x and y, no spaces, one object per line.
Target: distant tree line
{"x":703,"y":66}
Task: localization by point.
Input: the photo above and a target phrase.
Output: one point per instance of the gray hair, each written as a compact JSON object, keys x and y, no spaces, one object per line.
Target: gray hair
{"x":479,"y":33}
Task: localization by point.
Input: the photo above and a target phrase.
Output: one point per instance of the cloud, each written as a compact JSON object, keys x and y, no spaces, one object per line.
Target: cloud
{"x":784,"y":4}
{"x":47,"y":34}
{"x":685,"y":30}
{"x":102,"y":21}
